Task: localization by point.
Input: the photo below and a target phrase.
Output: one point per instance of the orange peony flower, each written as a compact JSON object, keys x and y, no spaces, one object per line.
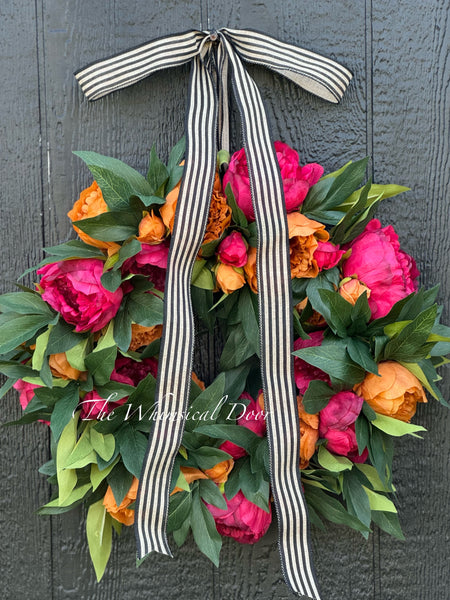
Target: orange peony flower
{"x":151,"y":229}
{"x":219,"y":211}
{"x":219,"y":214}
{"x":304,"y":235}
{"x":352,"y":289}
{"x":250,"y":270}
{"x":309,"y":434}
{"x":219,"y":473}
{"x":60,"y":367}
{"x":229,"y":278}
{"x":394,"y":393}
{"x":122,"y":513}
{"x":191,"y":474}
{"x":142,"y":336}
{"x":90,"y":204}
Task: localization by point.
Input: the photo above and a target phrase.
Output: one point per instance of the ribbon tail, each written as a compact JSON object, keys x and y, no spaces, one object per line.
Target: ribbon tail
{"x":317,"y":74}
{"x":276,"y":331}
{"x":175,"y":363}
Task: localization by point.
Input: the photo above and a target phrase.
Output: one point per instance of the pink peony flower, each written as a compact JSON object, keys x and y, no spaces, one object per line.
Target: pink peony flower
{"x":26,"y":394}
{"x":304,"y":372}
{"x":378,"y":263}
{"x":337,"y":425}
{"x":232,"y":250}
{"x":327,"y":255}
{"x":242,"y":520}
{"x":127,"y":370}
{"x":251,"y":418}
{"x":73,"y":288}
{"x":296,"y":180}
{"x":150,"y":261}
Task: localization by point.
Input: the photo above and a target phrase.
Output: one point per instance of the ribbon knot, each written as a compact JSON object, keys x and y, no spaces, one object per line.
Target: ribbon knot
{"x":206,"y":128}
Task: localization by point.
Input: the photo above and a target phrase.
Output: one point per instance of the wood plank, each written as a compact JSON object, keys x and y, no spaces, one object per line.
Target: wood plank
{"x":25,"y":538}
{"x":411,"y":125}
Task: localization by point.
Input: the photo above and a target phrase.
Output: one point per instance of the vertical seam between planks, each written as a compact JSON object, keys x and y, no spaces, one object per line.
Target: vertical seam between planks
{"x":376,"y":552}
{"x":40,"y":71}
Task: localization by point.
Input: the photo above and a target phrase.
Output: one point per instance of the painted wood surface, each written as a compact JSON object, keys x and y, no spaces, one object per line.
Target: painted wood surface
{"x":396,"y":110}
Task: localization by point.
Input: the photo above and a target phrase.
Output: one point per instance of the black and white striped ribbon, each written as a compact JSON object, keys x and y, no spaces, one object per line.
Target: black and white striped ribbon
{"x":210,"y":62}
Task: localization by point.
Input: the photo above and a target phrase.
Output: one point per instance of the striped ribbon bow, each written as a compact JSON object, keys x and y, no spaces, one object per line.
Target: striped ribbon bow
{"x":211,"y":54}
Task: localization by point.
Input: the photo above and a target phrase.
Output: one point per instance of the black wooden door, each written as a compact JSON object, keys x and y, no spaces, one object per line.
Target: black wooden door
{"x":396,"y":110}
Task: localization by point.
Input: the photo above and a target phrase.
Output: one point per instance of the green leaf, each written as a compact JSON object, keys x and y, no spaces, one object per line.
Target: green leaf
{"x":40,"y":350}
{"x":208,"y":457}
{"x":372,"y":476}
{"x":16,"y":370}
{"x":332,"y":509}
{"x":211,"y":494}
{"x":157,"y":173}
{"x":180,"y":505}
{"x":117,"y":180}
{"x":99,"y":536}
{"x":16,"y":329}
{"x":333,"y":462}
{"x":381,"y":454}
{"x":362,"y":432}
{"x":25,"y":303}
{"x":249,"y":320}
{"x":395,"y":427}
{"x":345,"y":183}
{"x":74,"y":249}
{"x":253,"y":485}
{"x":100,"y":364}
{"x":98,"y":476}
{"x":410,"y":343}
{"x":238,"y":216}
{"x":132,"y":446}
{"x":122,"y":327}
{"x":315,"y":198}
{"x":145,"y":308}
{"x":180,"y":535}
{"x":376,"y":191}
{"x":207,"y":404}
{"x":379,"y":501}
{"x":76,"y":355}
{"x":237,"y":348}
{"x":62,"y":415}
{"x":357,"y":500}
{"x":316,"y":396}
{"x":241,"y":436}
{"x":204,"y":530}
{"x":202,"y":276}
{"x":359,"y":352}
{"x":77,"y":494}
{"x":388,"y":522}
{"x":332,"y":358}
{"x":104,"y":445}
{"x":67,"y":478}
{"x":63,"y":338}
{"x":120,"y":480}
{"x":111,"y":226}
{"x":176,"y":154}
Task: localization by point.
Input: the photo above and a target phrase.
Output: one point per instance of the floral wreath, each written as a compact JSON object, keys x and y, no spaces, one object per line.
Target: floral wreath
{"x":82,"y":348}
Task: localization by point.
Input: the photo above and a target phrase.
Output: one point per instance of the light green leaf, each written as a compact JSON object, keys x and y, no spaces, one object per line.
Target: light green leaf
{"x":76,"y":355}
{"x":379,"y":502}
{"x":332,"y":462}
{"x":396,"y":427}
{"x":98,"y":476}
{"x":76,"y":495}
{"x":99,"y":536}
{"x":373,"y":477}
{"x":104,"y":445}
{"x":67,"y":478}
{"x":39,"y":352}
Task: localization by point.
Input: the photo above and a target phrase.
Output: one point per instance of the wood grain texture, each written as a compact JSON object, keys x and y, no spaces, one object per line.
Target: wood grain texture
{"x":25,"y":539}
{"x":395,"y":109}
{"x":410,"y":142}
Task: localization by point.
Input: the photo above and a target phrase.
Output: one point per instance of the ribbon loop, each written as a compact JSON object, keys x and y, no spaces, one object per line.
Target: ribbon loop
{"x":211,"y":53}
